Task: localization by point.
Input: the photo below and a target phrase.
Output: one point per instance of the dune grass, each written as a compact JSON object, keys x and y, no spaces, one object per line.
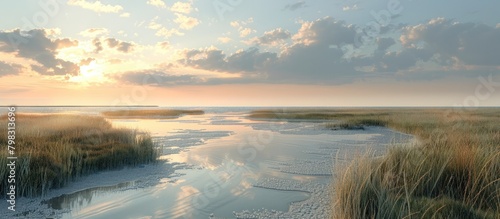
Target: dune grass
{"x":151,"y":113}
{"x":453,"y":172}
{"x":53,"y":149}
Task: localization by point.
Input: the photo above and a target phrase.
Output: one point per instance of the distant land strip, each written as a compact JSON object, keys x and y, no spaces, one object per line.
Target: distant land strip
{"x":78,"y":106}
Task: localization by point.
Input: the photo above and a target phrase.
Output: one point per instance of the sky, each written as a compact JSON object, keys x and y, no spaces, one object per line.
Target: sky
{"x":250,"y":53}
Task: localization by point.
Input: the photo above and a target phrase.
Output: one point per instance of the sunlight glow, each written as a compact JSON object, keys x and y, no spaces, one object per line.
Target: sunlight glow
{"x":90,"y":74}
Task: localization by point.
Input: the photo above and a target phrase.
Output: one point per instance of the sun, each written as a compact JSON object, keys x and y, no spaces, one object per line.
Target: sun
{"x":91,"y":73}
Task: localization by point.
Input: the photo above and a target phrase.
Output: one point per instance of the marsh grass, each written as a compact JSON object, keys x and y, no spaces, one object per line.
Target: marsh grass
{"x":53,"y":149}
{"x":151,"y":113}
{"x":452,"y":172}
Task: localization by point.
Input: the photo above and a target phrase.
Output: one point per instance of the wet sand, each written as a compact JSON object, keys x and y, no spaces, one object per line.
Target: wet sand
{"x":219,"y":166}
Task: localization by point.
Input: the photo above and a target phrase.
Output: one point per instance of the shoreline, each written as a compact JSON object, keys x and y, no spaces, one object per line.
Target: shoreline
{"x":142,"y":176}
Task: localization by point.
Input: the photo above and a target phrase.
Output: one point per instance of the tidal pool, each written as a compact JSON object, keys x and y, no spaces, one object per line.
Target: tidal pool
{"x":223,"y":165}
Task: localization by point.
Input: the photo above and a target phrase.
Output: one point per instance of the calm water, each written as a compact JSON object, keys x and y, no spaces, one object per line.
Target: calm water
{"x":219,"y":157}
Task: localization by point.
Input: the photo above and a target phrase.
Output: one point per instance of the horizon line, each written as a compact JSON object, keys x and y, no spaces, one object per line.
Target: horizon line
{"x":157,"y":106}
{"x":14,"y":105}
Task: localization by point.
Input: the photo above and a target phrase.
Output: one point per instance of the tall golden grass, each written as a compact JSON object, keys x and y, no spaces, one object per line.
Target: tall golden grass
{"x":53,"y":149}
{"x":453,"y":172}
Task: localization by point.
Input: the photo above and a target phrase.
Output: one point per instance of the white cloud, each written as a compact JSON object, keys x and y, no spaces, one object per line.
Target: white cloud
{"x":182,"y":7}
{"x":326,"y":30}
{"x":186,"y":22}
{"x":245,"y":32}
{"x":240,"y":25}
{"x":96,"y":6}
{"x":157,"y":3}
{"x":224,"y":39}
{"x":164,"y":32}
{"x":94,"y":32}
{"x":214,"y":59}
{"x":350,"y":8}
{"x":311,"y":62}
{"x":126,"y":14}
{"x":161,"y":30}
{"x":235,"y":24}
{"x":273,"y":37}
{"x":154,"y":25}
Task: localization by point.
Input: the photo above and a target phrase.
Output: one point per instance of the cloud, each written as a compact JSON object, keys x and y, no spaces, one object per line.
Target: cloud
{"x":161,"y":30}
{"x":163,"y":45}
{"x":470,"y":43}
{"x":96,"y":6}
{"x":158,"y":78}
{"x":9,"y":69}
{"x":326,"y":31}
{"x":35,"y":45}
{"x":400,"y":60}
{"x":224,"y":39}
{"x":119,"y":45}
{"x":186,"y":22}
{"x":165,"y":78}
{"x":309,"y":60}
{"x":65,"y":43}
{"x":240,"y":26}
{"x":112,"y":43}
{"x":210,"y":59}
{"x":316,"y":55}
{"x":114,"y":61}
{"x":295,"y":6}
{"x":126,"y":14}
{"x":164,"y":32}
{"x":94,"y":32}
{"x":443,"y":43}
{"x":245,"y":32}
{"x":350,"y":8}
{"x":86,"y":61}
{"x":234,"y":24}
{"x":251,"y":60}
{"x":384,"y":43}
{"x":154,"y":25}
{"x":157,"y":3}
{"x":97,"y":44}
{"x":273,"y":37}
{"x":313,"y":63}
{"x":182,"y":7}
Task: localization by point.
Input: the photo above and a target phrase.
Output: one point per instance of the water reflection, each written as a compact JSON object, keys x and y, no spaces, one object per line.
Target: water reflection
{"x":84,"y":197}
{"x":226,"y":159}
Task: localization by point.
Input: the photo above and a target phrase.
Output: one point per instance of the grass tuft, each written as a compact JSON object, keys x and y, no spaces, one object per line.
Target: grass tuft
{"x":451,"y":173}
{"x":53,"y":149}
